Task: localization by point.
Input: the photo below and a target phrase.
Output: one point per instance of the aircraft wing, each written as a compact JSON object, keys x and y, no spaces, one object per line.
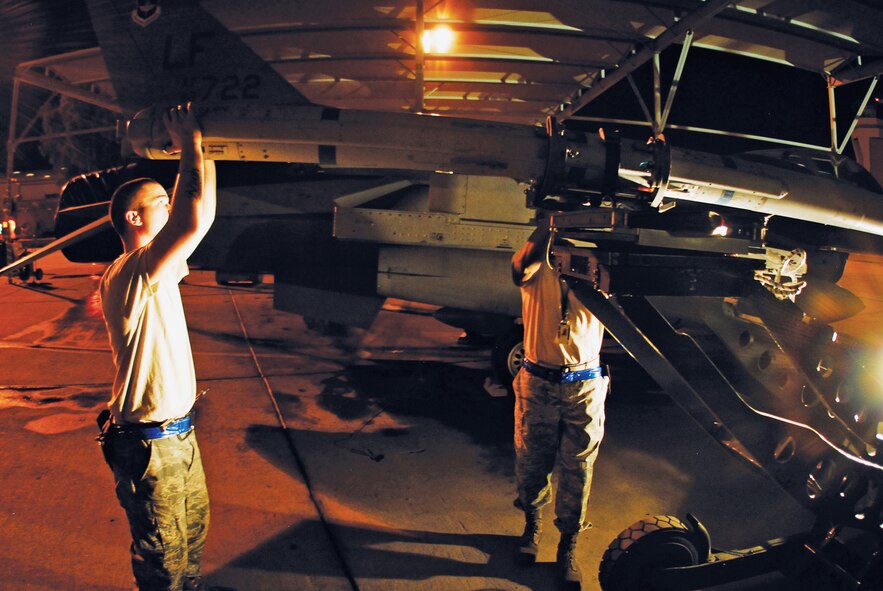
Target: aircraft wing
{"x":79,"y":235}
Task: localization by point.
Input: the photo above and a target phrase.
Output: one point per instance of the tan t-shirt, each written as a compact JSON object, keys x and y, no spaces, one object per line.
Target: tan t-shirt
{"x":541,"y":313}
{"x":155,"y":379}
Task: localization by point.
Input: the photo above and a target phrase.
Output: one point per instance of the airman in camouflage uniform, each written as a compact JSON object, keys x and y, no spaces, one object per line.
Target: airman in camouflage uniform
{"x":147,"y":434}
{"x":559,"y":404}
{"x":161,"y":485}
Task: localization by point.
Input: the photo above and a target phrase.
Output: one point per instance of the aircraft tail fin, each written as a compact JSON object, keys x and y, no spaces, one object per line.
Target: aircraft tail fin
{"x":172,"y":52}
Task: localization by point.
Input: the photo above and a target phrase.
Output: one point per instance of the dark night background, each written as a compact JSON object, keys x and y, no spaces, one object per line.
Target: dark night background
{"x":30,"y":30}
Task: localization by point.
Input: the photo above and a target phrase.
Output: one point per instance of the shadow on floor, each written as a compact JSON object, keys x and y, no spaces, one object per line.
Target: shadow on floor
{"x":403,"y":555}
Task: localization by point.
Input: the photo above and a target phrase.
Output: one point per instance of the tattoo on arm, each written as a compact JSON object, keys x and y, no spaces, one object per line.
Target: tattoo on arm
{"x":192,"y":183}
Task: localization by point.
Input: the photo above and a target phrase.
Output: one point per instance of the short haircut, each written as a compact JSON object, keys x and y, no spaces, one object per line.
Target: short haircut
{"x":123,"y":200}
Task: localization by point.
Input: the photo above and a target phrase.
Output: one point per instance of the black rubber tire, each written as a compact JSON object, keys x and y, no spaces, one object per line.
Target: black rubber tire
{"x":506,"y":356}
{"x":658,"y":541}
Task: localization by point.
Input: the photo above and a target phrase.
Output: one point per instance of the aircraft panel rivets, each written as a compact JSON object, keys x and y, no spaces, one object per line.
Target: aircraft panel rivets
{"x":844,"y":393}
{"x":808,"y":397}
{"x":813,"y":488}
{"x":824,"y":369}
{"x":765,"y":360}
{"x":785,"y":450}
{"x":819,"y":479}
{"x":844,"y":486}
{"x":782,"y":379}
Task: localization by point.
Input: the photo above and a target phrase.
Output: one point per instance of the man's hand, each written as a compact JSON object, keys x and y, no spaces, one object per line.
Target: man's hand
{"x":534,"y":249}
{"x":193,"y":206}
{"x":183,"y":128}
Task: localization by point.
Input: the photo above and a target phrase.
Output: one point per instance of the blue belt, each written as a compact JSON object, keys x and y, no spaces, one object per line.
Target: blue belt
{"x":562,"y":375}
{"x":152,"y":430}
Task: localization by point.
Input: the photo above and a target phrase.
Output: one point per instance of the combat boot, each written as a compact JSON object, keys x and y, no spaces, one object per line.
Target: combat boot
{"x":528,"y":543}
{"x":569,"y":575}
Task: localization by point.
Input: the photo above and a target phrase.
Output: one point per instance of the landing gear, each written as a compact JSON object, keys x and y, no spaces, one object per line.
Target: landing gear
{"x":507,"y":355}
{"x":662,"y":553}
{"x":660,"y":542}
{"x":29,"y":272}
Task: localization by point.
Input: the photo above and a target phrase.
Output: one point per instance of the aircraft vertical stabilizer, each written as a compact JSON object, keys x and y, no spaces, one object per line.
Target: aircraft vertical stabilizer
{"x":171,"y":52}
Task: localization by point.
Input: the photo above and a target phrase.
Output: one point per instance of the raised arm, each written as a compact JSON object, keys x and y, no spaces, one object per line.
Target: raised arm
{"x":193,"y":198}
{"x":210,"y":197}
{"x":533,"y":250}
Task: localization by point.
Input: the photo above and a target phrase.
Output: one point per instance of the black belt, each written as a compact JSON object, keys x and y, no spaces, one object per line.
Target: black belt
{"x":562,"y":375}
{"x":152,"y":430}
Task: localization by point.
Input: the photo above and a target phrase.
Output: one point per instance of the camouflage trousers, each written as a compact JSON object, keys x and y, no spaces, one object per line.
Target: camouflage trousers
{"x":161,"y":486}
{"x":563,"y":422}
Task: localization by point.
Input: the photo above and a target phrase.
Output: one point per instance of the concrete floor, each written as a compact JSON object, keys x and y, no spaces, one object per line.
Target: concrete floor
{"x":372,"y":462}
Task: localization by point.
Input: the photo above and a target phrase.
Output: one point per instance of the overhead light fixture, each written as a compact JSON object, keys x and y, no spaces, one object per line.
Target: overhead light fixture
{"x":438,"y":39}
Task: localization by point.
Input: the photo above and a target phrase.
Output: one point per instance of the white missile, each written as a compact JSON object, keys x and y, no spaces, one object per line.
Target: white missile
{"x":791,"y":188}
{"x":356,"y":139}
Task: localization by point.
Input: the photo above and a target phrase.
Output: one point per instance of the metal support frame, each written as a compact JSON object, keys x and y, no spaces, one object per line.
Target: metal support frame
{"x":13,"y":142}
{"x":858,"y":114}
{"x":836,"y":149}
{"x":419,"y":29}
{"x":676,"y":80}
{"x":706,"y":130}
{"x":34,"y":120}
{"x":75,"y":92}
{"x":639,"y":329}
{"x":832,"y":116}
{"x":641,"y":102}
{"x":45,"y":62}
{"x":52,"y":136}
{"x":657,"y":94}
{"x":660,"y":114}
{"x":658,"y":120}
{"x":861,"y":72}
{"x":25,"y":74}
{"x":708,"y":10}
{"x":10,"y":148}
